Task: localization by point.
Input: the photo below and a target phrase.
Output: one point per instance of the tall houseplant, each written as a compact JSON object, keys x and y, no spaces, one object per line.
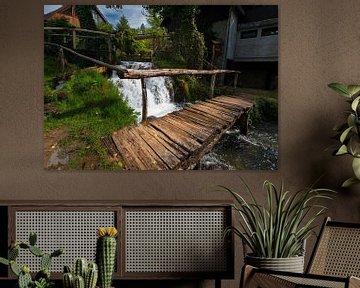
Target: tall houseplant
{"x":278,"y":230}
{"x":349,"y":132}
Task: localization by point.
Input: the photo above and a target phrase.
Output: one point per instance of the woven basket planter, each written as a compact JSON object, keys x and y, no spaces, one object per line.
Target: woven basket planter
{"x":291,"y":264}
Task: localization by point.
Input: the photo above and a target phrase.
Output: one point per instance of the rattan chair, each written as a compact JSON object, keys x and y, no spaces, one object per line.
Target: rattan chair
{"x":334,"y":263}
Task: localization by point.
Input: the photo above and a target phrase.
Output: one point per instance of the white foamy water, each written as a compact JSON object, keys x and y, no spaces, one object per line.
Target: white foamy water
{"x":160,"y":91}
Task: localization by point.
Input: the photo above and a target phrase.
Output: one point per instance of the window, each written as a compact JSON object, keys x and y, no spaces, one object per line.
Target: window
{"x":269,"y":31}
{"x":248,"y":34}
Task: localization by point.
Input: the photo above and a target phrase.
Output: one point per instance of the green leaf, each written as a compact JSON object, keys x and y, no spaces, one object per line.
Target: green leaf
{"x":353,"y":89}
{"x":349,"y":182}
{"x":351,"y":120}
{"x":4,"y":261}
{"x":355,"y":103}
{"x":342,"y":150}
{"x":354,"y":145}
{"x":345,"y":134}
{"x":356,"y":167}
{"x":340,"y":88}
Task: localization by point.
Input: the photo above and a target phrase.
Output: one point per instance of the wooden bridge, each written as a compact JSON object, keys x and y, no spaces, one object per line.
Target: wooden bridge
{"x":178,"y":140}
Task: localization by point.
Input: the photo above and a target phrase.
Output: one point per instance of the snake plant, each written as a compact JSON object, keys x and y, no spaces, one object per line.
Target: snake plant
{"x":349,"y":132}
{"x":279,"y":228}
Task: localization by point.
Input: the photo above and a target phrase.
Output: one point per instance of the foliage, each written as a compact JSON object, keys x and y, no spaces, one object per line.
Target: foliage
{"x":265,"y":109}
{"x":349,"y":132}
{"x":190,"y":88}
{"x":187,"y":41}
{"x":169,"y":60}
{"x":84,"y":12}
{"x":105,"y":27}
{"x":93,"y":109}
{"x":52,"y":75}
{"x":125,"y":38}
{"x":42,"y":278}
{"x":58,"y":22}
{"x":279,"y":229}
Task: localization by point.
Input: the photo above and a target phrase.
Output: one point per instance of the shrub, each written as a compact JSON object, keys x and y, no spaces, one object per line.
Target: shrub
{"x":191,"y":88}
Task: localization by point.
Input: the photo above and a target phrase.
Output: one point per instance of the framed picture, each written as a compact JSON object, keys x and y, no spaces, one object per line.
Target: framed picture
{"x":160,"y":87}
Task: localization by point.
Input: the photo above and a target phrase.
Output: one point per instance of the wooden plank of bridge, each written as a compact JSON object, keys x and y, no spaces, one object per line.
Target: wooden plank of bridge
{"x":179,"y":139}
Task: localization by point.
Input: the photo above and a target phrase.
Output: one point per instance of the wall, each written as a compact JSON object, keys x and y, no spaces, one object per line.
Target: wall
{"x":318,"y":43}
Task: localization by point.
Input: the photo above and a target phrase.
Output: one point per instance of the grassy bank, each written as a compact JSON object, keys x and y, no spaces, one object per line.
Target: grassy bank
{"x":88,"y":107}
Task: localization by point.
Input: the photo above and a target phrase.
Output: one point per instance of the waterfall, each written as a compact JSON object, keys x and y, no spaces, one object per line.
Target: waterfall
{"x":160,"y":91}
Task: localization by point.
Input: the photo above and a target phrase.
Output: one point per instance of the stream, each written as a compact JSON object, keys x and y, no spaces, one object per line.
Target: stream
{"x":256,"y":151}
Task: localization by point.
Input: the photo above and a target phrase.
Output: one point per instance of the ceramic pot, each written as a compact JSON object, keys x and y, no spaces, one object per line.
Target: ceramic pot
{"x":291,"y":264}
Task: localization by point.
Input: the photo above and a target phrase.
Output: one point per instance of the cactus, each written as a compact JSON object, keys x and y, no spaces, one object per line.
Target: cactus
{"x":14,"y":268}
{"x":45,"y":261}
{"x":23,"y":273}
{"x":68,"y":280}
{"x":32,"y":238}
{"x":24,"y":280}
{"x":36,"y":251}
{"x":13,"y":253}
{"x":105,"y":254}
{"x":91,"y":276}
{"x":80,"y":268}
{"x":4,"y":261}
{"x":57,"y":252}
{"x":67,"y":269}
{"x":87,"y":272}
{"x":79,"y":282}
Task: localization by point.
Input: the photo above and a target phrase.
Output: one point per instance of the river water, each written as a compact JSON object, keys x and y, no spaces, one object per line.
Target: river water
{"x":256,"y":151}
{"x":160,"y":91}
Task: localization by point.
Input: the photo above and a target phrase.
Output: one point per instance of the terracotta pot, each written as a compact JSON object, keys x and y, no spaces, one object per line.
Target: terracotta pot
{"x":291,"y":264}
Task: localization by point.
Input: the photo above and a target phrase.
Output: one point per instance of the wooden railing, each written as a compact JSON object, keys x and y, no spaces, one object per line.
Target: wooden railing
{"x":142,"y":74}
{"x":76,"y":35}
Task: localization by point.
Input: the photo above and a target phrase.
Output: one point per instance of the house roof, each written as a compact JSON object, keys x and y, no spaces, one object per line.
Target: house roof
{"x":64,"y":8}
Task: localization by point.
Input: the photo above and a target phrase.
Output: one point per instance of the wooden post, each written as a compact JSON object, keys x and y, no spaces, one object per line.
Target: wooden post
{"x":144,"y":100}
{"x":212,"y":85}
{"x":244,"y":123}
{"x":62,"y":59}
{"x":236,"y":77}
{"x":74,"y":39}
{"x":110,"y":49}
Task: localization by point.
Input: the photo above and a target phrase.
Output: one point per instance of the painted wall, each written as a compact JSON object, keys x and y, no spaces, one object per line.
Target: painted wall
{"x":319,"y":43}
{"x":256,"y":49}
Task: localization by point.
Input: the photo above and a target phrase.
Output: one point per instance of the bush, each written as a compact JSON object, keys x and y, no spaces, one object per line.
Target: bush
{"x":266,"y":109}
{"x":191,"y":88}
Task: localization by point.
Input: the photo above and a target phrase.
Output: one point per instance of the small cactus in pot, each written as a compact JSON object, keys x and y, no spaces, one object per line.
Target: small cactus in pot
{"x":106,"y":254}
{"x":85,"y":275}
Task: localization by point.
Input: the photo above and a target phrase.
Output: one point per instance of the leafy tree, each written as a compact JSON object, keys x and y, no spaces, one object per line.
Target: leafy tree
{"x":123,"y":25}
{"x":105,"y":27}
{"x":84,"y":12}
{"x":187,"y":41}
{"x":125,"y":37}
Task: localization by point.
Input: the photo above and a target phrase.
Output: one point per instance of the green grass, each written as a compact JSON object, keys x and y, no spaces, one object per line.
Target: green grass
{"x":90,"y":108}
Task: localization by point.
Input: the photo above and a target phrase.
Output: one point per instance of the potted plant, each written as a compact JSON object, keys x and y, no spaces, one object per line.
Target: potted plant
{"x":276,"y":233}
{"x":349,"y":132}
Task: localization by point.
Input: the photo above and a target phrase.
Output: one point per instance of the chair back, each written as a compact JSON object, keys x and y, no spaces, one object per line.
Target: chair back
{"x":337,"y":251}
